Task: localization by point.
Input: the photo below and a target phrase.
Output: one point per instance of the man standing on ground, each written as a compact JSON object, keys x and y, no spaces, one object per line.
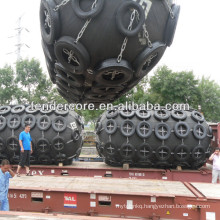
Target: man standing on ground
{"x":5,"y":174}
{"x":216,"y":165}
{"x":26,"y":150}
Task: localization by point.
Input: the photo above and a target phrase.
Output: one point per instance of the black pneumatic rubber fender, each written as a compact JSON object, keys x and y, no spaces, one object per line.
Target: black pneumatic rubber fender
{"x":171,"y":25}
{"x":125,"y":7}
{"x":67,"y":44}
{"x":110,"y":72}
{"x":168,"y":144}
{"x":87,"y":14}
{"x":49,"y":21}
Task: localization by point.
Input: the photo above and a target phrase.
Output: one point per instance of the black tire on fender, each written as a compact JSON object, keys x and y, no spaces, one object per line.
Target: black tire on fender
{"x":14,"y":121}
{"x":49,"y":21}
{"x":28,"y":119}
{"x":87,"y":14}
{"x":111,"y":73}
{"x":2,"y":145}
{"x":198,"y":153}
{"x":171,"y":25}
{"x":181,"y":129}
{"x":45,"y":159}
{"x":78,"y":63}
{"x":149,"y":57}
{"x":43,"y":145}
{"x":197,"y":116}
{"x":127,"y":128}
{"x":162,"y":131}
{"x":110,"y":148}
{"x":182,"y":153}
{"x":144,"y":129}
{"x":5,"y":109}
{"x":18,"y":109}
{"x":44,"y":123}
{"x":58,"y":143}
{"x":199,"y":131}
{"x":110,"y":126}
{"x":127,"y":151}
{"x":144,"y":151}
{"x":59,"y":123}
{"x":126,"y":6}
{"x":162,"y":114}
{"x":30,"y":110}
{"x":3,"y":123}
{"x":143,"y":114}
{"x":178,"y":115}
{"x":163,"y":153}
{"x":12,"y":144}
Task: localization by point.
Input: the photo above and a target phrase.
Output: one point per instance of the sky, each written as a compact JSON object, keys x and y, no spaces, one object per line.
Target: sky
{"x":196,"y":45}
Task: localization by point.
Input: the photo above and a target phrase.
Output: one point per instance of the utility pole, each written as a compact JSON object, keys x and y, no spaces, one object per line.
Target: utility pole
{"x":19,"y":44}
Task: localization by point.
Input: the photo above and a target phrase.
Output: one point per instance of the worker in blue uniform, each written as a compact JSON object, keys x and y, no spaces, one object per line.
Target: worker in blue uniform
{"x":5,"y":174}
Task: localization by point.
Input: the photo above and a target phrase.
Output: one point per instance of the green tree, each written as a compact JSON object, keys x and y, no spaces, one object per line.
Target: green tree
{"x":7,"y":88}
{"x":33,"y":83}
{"x":210,"y":99}
{"x":174,"y":87}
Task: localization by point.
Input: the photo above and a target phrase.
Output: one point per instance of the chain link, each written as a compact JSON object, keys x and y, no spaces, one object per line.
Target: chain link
{"x":82,"y":30}
{"x":124,"y":44}
{"x":150,"y":59}
{"x":80,"y":34}
{"x":64,"y":2}
{"x":71,"y":56}
{"x":170,"y":9}
{"x":146,"y":35}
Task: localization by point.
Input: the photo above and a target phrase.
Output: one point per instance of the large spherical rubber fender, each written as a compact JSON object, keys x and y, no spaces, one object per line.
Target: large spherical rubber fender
{"x":51,"y":132}
{"x":153,"y":138}
{"x":112,"y":45}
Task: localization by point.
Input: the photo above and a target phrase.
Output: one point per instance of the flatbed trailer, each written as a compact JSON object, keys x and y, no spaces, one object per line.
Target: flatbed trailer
{"x":100,"y":169}
{"x":114,"y":197}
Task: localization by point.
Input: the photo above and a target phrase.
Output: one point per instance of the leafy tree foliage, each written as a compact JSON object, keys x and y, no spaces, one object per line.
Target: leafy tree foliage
{"x":210,"y":99}
{"x":7,"y":87}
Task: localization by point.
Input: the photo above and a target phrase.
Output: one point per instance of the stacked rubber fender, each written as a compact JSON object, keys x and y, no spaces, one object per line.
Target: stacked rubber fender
{"x":156,"y":138}
{"x":56,"y":135}
{"x":97,"y":50}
